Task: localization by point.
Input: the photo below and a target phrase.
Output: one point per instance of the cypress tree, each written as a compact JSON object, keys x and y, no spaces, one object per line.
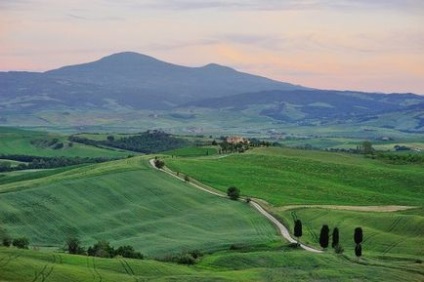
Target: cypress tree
{"x":357,"y":237}
{"x":335,"y":241}
{"x":324,"y":236}
{"x":298,"y":229}
{"x":358,"y":250}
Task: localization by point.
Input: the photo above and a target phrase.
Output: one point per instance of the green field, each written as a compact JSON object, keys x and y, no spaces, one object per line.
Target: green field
{"x":388,"y":235}
{"x":278,"y":265}
{"x":298,"y":177}
{"x":127,"y":203}
{"x":25,"y":142}
{"x":193,"y":151}
{"x":288,"y":176}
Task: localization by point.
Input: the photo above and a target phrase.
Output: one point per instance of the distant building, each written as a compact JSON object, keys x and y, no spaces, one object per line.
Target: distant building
{"x":237,"y":140}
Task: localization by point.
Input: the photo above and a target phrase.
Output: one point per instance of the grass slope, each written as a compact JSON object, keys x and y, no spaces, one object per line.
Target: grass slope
{"x":127,"y":203}
{"x":388,"y":236}
{"x":281,"y":265}
{"x":21,"y":142}
{"x":288,"y":176}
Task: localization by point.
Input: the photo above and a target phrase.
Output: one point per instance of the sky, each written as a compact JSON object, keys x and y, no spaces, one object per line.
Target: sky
{"x":375,"y":46}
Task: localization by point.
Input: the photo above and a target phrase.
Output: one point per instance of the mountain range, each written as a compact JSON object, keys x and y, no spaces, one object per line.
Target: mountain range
{"x":127,"y":84}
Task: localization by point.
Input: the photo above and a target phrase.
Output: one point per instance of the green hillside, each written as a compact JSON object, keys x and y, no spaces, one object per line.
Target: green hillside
{"x":298,"y":177}
{"x":24,"y":142}
{"x":288,"y":176}
{"x":281,"y":265}
{"x":127,"y":203}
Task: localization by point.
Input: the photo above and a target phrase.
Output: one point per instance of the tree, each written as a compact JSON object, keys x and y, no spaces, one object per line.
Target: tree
{"x":324,"y":236}
{"x":21,"y":243}
{"x":186,"y":178}
{"x":101,"y":249}
{"x":298,"y":229}
{"x":357,"y":236}
{"x":336,"y":239}
{"x":7,"y":241}
{"x":233,"y":193}
{"x":358,"y":250}
{"x":74,"y":246}
{"x":366,"y":148}
{"x":159,"y":163}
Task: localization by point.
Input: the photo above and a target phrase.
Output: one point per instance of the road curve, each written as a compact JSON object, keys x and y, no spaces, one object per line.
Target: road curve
{"x":283,"y":230}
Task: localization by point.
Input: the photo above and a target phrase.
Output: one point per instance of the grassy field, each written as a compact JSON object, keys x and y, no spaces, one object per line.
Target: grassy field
{"x":277,"y":265}
{"x":296,"y":177}
{"x":387,"y":235}
{"x":288,"y":176}
{"x":193,"y":151}
{"x":35,"y":143}
{"x":127,"y":203}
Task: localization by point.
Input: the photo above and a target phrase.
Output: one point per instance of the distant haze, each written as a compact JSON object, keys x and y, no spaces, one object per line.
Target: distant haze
{"x":372,"y":46}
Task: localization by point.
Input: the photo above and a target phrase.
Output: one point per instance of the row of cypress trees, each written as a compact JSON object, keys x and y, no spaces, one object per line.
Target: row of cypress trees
{"x":324,"y":237}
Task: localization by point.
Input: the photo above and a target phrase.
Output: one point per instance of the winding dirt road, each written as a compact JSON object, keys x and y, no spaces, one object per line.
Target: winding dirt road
{"x":282,"y":229}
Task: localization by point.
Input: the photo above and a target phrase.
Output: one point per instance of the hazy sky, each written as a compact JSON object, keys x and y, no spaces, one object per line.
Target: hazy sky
{"x":371,"y":45}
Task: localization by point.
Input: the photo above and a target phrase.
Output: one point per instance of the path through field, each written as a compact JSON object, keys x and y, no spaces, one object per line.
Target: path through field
{"x":281,"y":228}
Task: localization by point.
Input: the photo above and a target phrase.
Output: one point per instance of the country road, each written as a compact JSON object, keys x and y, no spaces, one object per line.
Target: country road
{"x":282,"y":229}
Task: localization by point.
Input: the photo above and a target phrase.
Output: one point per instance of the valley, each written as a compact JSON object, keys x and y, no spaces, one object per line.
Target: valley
{"x":127,"y":202}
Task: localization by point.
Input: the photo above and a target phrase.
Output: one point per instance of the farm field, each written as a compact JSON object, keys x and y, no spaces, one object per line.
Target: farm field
{"x":256,"y":265}
{"x":314,"y":186}
{"x":127,"y":203}
{"x":288,"y":176}
{"x":36,"y":143}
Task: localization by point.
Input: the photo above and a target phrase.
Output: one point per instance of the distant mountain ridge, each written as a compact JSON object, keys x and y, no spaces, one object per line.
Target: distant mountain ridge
{"x":180,"y":84}
{"x":129,"y":82}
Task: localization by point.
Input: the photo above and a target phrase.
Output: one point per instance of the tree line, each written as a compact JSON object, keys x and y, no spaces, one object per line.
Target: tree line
{"x":149,"y":142}
{"x":101,"y":249}
{"x":36,"y":162}
{"x":324,"y":238}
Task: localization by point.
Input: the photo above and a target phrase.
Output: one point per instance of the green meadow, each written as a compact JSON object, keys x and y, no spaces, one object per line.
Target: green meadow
{"x":127,"y":203}
{"x":275,"y":265}
{"x":35,"y":143}
{"x":288,"y":176}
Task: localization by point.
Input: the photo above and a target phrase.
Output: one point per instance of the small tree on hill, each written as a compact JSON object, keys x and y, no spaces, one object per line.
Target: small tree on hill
{"x":335,"y":237}
{"x":358,"y":251}
{"x":21,"y":243}
{"x":74,"y":246}
{"x":7,"y":241}
{"x":324,"y":236}
{"x":159,"y":163}
{"x":298,"y":229}
{"x":357,"y":236}
{"x":233,"y":193}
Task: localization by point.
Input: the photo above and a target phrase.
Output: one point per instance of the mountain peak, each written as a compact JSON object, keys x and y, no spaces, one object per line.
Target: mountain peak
{"x":213,"y":66}
{"x":128,"y":57}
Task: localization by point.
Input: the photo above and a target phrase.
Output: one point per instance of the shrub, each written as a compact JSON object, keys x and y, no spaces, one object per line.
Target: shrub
{"x":21,"y":243}
{"x":338,"y":249}
{"x":159,"y":163}
{"x":233,"y":193}
{"x":7,"y":241}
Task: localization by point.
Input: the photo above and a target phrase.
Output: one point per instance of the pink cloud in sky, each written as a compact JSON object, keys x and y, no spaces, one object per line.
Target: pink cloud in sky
{"x":357,"y":45}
